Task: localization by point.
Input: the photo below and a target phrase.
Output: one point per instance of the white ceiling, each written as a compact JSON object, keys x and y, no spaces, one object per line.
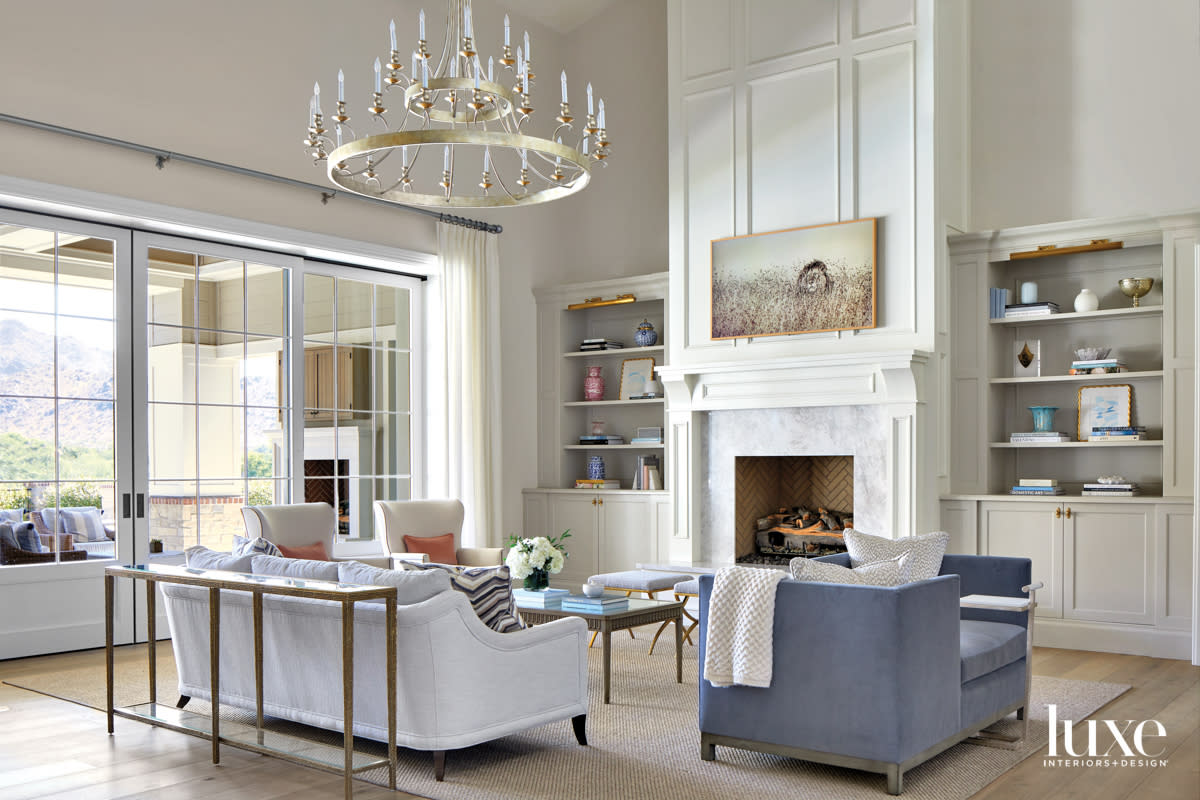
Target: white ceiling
{"x":563,"y":16}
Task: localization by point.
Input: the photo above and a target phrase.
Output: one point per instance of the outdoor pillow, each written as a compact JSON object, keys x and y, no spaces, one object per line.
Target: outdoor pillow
{"x":294,"y":568}
{"x":200,"y":557}
{"x":412,"y":586}
{"x":926,"y":552}
{"x":11,"y":514}
{"x":28,"y":539}
{"x":313,"y":552}
{"x":488,"y":588}
{"x":8,"y":537}
{"x":880,"y":573}
{"x":254,"y":547}
{"x":440,"y":549}
{"x":84,"y":524}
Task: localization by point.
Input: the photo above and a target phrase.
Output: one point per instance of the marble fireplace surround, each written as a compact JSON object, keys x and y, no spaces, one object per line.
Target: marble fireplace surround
{"x":862,"y":404}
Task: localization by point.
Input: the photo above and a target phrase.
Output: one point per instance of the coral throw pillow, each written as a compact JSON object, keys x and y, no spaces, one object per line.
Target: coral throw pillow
{"x":440,"y":549}
{"x":313,"y":552}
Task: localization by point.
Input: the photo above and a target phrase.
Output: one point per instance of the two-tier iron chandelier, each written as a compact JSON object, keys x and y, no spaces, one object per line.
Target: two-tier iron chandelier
{"x":463,"y":114}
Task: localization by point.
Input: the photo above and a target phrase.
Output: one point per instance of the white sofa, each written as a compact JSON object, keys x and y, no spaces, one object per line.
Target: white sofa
{"x":459,"y":683}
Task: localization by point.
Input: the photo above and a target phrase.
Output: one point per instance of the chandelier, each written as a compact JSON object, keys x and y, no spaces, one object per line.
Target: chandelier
{"x":468,"y":116}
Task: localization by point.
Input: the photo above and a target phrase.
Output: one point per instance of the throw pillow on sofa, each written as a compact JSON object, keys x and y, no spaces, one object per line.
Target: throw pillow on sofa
{"x":84,"y":524}
{"x":254,"y":547}
{"x":412,"y":586}
{"x":488,"y":588}
{"x":925,"y":552}
{"x":294,"y":568}
{"x":888,"y":572}
{"x":200,"y":557}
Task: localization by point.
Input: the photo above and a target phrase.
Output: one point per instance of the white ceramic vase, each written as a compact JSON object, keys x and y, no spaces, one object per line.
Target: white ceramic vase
{"x":1086,"y":301}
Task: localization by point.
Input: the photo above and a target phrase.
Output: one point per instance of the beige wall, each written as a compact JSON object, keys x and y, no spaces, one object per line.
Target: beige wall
{"x":1083,"y":108}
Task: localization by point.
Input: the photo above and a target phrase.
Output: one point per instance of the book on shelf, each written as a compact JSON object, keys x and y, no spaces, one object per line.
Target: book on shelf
{"x":1027,"y":306}
{"x":567,"y":605}
{"x":1043,"y":312}
{"x":1116,"y":487}
{"x":602,"y":440}
{"x":586,"y":483}
{"x":1038,"y":437}
{"x":641,"y":474}
{"x":1098,"y":362}
{"x":1037,"y":490}
{"x":1037,"y":482}
{"x":997,"y":300}
{"x":1102,"y":493}
{"x":1118,"y":429}
{"x":592,"y":348}
{"x":1117,"y":437}
{"x":1097,"y":370}
{"x":600,"y":340}
{"x":606,"y":600}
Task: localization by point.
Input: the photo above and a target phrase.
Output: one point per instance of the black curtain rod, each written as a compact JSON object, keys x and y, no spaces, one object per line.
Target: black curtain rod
{"x":161,"y":157}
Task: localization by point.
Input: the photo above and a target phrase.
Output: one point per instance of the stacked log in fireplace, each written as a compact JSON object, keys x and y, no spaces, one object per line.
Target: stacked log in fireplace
{"x":802,"y":531}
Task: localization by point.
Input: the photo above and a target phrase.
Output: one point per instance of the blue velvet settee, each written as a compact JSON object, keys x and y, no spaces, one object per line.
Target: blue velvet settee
{"x":874,"y":678}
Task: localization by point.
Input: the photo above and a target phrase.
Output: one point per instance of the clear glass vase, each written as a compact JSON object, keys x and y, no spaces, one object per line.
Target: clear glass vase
{"x":537,"y":580}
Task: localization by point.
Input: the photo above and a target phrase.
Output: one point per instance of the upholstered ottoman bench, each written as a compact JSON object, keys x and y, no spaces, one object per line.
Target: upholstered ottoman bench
{"x":646,"y":581}
{"x":688,"y":591}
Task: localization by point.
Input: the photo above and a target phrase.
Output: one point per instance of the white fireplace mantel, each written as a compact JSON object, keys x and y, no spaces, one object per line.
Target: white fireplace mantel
{"x":891,"y":381}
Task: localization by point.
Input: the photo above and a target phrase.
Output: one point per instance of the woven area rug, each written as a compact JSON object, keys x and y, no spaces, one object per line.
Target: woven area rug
{"x":643,"y":745}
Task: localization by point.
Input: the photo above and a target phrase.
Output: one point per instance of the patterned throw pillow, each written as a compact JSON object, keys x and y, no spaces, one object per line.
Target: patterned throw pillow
{"x":488,"y":588}
{"x":254,"y":547}
{"x":84,"y":524}
{"x":880,"y":573}
{"x":925,"y":552}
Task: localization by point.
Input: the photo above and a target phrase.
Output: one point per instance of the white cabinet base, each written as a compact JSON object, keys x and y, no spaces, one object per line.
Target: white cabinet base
{"x":1101,"y":637}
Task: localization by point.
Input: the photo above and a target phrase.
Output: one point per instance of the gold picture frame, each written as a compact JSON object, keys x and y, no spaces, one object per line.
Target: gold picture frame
{"x":799,"y":280}
{"x":1110,"y":405}
{"x":634,"y":374}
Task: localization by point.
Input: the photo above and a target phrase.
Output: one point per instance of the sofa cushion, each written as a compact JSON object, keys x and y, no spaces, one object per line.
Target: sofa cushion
{"x":888,"y":572}
{"x":312,"y":552}
{"x":254,"y":547}
{"x":987,"y":646}
{"x":412,"y":586}
{"x":12,"y":515}
{"x":84,"y":524}
{"x":488,"y":588}
{"x":8,"y":537}
{"x":286,"y":567}
{"x":440,"y":549}
{"x":200,"y":557}
{"x":27,"y":537}
{"x":926,"y":552}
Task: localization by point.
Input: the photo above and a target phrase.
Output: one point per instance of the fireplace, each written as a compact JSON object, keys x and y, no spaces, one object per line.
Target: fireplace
{"x":322,"y":485}
{"x":789,"y":506}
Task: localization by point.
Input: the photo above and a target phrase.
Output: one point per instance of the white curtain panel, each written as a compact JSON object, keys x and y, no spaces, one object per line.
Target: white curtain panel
{"x":464,"y":380}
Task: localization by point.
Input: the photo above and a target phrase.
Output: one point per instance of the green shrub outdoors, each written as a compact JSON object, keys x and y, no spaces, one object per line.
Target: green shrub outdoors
{"x":14,"y":497}
{"x":72,"y":496}
{"x":261,"y":494}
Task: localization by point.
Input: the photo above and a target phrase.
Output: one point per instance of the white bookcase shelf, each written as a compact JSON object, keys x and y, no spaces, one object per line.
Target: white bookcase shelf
{"x":1112,"y":377}
{"x":1081,"y":316}
{"x":623,"y":352}
{"x":1058,"y":445}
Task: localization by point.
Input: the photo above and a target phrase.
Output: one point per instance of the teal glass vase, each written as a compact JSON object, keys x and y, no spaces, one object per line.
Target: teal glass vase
{"x":1043,"y":418}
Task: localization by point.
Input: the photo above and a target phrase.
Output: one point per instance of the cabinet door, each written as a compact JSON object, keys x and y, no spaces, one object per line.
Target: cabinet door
{"x":1108,"y":560}
{"x":1173,"y":570}
{"x":960,"y":520}
{"x":626,"y":532}
{"x":1028,"y":530}
{"x":312,"y":381}
{"x":579,"y":513}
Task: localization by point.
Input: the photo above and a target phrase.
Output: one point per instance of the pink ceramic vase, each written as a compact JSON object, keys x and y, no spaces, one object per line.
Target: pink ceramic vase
{"x":593,"y":384}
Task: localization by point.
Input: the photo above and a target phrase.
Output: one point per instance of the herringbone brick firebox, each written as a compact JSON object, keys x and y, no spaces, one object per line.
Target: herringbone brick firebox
{"x":765,"y":484}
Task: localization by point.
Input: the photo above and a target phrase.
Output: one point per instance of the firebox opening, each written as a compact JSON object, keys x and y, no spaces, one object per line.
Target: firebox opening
{"x":789,"y":506}
{"x":325,"y":482}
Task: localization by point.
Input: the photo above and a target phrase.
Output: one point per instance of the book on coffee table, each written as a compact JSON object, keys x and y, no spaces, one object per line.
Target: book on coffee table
{"x":541,"y":599}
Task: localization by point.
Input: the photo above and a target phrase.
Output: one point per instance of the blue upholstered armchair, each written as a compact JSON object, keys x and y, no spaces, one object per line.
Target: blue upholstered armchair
{"x":879,"y":679}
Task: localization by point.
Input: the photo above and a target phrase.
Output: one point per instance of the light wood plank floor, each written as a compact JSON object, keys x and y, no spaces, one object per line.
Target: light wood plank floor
{"x":50,"y":748}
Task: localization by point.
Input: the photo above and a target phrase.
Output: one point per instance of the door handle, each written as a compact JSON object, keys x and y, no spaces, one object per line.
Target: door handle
{"x":126,"y":505}
{"x":599,"y":501}
{"x":1068,"y":512}
{"x":1058,"y":512}
{"x":141,"y":506}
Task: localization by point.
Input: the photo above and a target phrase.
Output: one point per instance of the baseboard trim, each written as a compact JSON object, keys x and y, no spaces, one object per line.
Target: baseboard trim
{"x":1135,"y":640}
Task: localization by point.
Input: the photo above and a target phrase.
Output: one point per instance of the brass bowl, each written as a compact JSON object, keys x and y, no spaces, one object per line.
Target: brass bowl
{"x":1135,"y":288}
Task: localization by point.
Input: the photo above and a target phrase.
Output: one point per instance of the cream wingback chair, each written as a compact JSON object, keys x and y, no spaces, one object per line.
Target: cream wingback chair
{"x":298,"y":525}
{"x":395,"y":519}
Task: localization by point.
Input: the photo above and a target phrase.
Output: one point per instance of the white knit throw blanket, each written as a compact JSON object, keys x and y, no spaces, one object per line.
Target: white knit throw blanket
{"x":741,"y":618}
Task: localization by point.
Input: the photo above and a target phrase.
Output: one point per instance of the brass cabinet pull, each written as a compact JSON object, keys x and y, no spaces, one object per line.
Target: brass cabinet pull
{"x":1058,"y":513}
{"x":1068,"y":512}
{"x":593,"y":501}
{"x":599,"y":501}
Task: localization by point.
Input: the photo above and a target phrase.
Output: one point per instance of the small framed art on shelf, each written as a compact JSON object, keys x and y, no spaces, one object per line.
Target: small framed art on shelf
{"x":634,"y":374}
{"x":1104,"y":407}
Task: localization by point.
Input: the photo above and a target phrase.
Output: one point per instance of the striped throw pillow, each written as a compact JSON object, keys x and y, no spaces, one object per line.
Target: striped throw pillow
{"x":488,"y":588}
{"x":254,"y":547}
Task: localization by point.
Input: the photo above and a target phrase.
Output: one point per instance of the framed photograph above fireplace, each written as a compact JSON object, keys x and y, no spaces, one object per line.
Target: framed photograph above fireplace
{"x":800,"y":280}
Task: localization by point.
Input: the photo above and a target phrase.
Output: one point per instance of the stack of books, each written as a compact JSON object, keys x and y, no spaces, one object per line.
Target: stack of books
{"x":1042,"y":309}
{"x":547,"y":598}
{"x":1038,"y":437}
{"x":594,"y":605}
{"x":1097,"y":366}
{"x":593,"y":483}
{"x":997,"y":300}
{"x":1124,"y":489}
{"x":601,"y":343}
{"x":1122,"y":433}
{"x":646,"y":475}
{"x":601,"y":439}
{"x":1037,"y":487}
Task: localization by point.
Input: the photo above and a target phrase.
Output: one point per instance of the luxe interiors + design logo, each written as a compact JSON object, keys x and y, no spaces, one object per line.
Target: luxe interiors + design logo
{"x":1128,"y":747}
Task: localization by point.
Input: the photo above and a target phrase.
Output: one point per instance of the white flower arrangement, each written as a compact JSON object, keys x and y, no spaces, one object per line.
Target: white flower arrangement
{"x":525,"y":556}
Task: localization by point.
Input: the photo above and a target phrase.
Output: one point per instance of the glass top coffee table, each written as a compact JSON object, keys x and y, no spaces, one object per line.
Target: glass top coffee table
{"x":636,"y":614}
